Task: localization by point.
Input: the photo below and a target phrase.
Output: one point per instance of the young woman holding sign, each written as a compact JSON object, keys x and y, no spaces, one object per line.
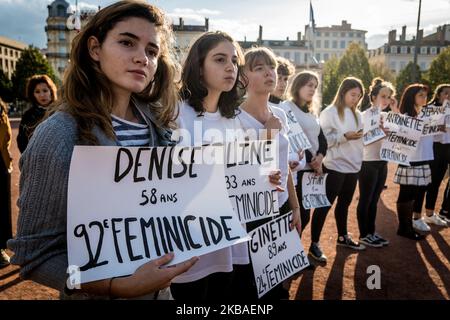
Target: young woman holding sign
{"x":373,"y":174}
{"x":119,"y":90}
{"x":259,"y":77}
{"x":413,"y":180}
{"x":439,"y":165}
{"x":301,"y":102}
{"x":342,"y":126}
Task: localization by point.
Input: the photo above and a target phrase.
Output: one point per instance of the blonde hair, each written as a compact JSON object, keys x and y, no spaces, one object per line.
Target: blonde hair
{"x":347,"y":84}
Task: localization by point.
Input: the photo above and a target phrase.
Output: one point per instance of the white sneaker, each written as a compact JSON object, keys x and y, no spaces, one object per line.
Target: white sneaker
{"x":420,"y":225}
{"x":434,"y":219}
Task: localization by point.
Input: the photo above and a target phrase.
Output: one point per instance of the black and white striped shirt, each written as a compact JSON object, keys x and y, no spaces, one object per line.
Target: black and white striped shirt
{"x":130,"y":134}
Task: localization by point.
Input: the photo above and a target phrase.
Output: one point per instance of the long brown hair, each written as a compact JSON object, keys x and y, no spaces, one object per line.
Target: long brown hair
{"x":87,"y":93}
{"x":299,"y":82}
{"x":192,"y":87}
{"x":339,"y":102}
{"x":437,"y":93}
{"x":408,"y":100}
{"x":33,"y":81}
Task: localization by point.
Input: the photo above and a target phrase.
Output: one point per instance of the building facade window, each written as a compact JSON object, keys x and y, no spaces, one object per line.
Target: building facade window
{"x":334,"y":34}
{"x":343,"y":34}
{"x":423,"y":66}
{"x":433,"y":50}
{"x":326,"y":44}
{"x":327,"y":34}
{"x":404,"y":50}
{"x":318,"y":33}
{"x":423,"y":50}
{"x":412,"y":50}
{"x":318,"y":44}
{"x":318,"y":57}
{"x":297,"y":58}
{"x":335,"y":44}
{"x":350,"y":34}
{"x":402,"y":65}
{"x":326,"y":56}
{"x":394,"y":49}
{"x":393,"y":66}
{"x":342,"y":44}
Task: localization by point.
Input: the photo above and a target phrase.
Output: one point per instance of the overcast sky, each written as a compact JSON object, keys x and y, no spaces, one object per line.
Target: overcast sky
{"x":24,"y":20}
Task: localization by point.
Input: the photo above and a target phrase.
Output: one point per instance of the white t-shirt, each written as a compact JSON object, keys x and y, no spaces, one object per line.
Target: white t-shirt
{"x":310,"y":126}
{"x":248,"y":122}
{"x":210,"y":128}
{"x":342,"y":155}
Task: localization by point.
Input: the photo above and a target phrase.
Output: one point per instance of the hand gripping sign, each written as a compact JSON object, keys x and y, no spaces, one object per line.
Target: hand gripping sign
{"x":127,"y":206}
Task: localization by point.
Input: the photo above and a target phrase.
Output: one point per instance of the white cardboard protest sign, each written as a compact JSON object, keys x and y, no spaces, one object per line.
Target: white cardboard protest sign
{"x":446,"y":104}
{"x":434,"y":119}
{"x":127,"y":206}
{"x":402,"y":141}
{"x":372,"y":120}
{"x":297,"y":137}
{"x":314,"y":193}
{"x":248,"y":165}
{"x":276,"y":252}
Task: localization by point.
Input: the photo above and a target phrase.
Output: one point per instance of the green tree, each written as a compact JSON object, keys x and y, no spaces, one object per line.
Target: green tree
{"x":354,"y":63}
{"x":440,"y":69}
{"x":30,"y":63}
{"x":330,"y":80}
{"x":379,"y":69}
{"x":405,"y":77}
{"x":6,"y":92}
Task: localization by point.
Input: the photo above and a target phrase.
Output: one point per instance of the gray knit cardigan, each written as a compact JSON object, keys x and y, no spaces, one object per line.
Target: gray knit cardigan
{"x":40,"y":247}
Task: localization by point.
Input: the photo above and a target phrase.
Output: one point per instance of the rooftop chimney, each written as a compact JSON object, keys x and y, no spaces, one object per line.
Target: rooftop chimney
{"x":207,"y":24}
{"x":260,"y":34}
{"x":392,"y":36}
{"x":420,"y":35}
{"x":403,"y":37}
{"x":181,"y":23}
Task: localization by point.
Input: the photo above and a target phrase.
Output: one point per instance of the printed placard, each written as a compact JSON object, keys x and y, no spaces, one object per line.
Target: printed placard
{"x":249,"y":163}
{"x":277,"y":253}
{"x":127,"y":206}
{"x":314,"y":193}
{"x":372,"y":120}
{"x":402,"y":141}
{"x":434,"y":119}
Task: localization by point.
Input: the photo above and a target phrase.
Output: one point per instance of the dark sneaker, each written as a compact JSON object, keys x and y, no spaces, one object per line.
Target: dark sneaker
{"x":4,"y":259}
{"x":370,"y":242}
{"x":380,"y":239}
{"x":316,"y":253}
{"x":346,"y":241}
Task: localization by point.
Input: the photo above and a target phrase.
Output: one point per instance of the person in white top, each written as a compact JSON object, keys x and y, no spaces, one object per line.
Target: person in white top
{"x":414,"y":179}
{"x":285,"y":69}
{"x":210,"y":82}
{"x":343,"y":128}
{"x":439,"y":165}
{"x":303,"y":107}
{"x":373,"y":174}
{"x":260,"y":79}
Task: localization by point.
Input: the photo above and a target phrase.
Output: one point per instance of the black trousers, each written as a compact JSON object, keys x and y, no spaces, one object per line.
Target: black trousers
{"x":438,"y":168}
{"x":446,"y":201}
{"x":5,"y":205}
{"x":305,"y":214}
{"x":412,"y":193}
{"x":372,"y":178}
{"x":341,"y":186}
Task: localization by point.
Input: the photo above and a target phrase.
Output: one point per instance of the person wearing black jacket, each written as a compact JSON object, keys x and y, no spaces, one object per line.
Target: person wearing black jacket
{"x":41,"y":93}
